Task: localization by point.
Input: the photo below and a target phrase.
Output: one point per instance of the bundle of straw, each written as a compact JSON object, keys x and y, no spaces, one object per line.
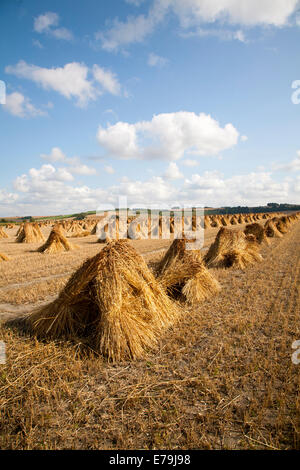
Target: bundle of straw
{"x":182,"y":273}
{"x":112,"y":302}
{"x":258,"y":231}
{"x":56,"y":242}
{"x":2,"y":233}
{"x":271,"y":229}
{"x":30,"y":234}
{"x":231,"y":248}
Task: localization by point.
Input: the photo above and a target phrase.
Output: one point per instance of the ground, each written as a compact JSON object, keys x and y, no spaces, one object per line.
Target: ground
{"x":221,"y":378}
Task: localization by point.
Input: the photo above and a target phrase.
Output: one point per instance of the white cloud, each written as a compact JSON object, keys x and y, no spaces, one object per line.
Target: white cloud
{"x":155,"y":191}
{"x":71,"y":81}
{"x":250,"y":189}
{"x":134,"y":30}
{"x":7,"y":197}
{"x":244,"y":138}
{"x":190,"y":163}
{"x":47,"y":191}
{"x":62,"y":33}
{"x":168,"y":136}
{"x":107,"y":79}
{"x":156,"y":61}
{"x":82,"y":170}
{"x":293,"y":165}
{"x":20,"y":106}
{"x":56,"y":155}
{"x":136,"y":3}
{"x":196,"y":13}
{"x":119,"y":140}
{"x":45,"y":24}
{"x":243,"y":12}
{"x":75,"y":165}
{"x":109,"y":169}
{"x":37,"y":180}
{"x":222,"y":34}
{"x":240,"y":36}
{"x":172,"y":172}
{"x":37,"y":43}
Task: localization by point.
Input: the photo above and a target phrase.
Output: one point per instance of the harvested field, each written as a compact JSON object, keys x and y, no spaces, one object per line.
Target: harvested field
{"x":219,"y":378}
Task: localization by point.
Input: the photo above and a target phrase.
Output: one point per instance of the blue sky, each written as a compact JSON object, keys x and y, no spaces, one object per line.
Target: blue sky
{"x":165,"y":102}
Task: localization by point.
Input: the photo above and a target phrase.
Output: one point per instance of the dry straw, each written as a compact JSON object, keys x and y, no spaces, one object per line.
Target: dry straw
{"x":271,"y":229}
{"x":215,"y":221}
{"x":231,"y":248}
{"x":258,"y":231}
{"x":3,"y":257}
{"x":112,"y":302}
{"x":207,"y":221}
{"x":282,"y":224}
{"x":19,"y":230}
{"x":39,"y":236}
{"x":80,"y":233}
{"x":182,"y":273}
{"x":224,"y":221}
{"x":30,"y":234}
{"x":3,"y":234}
{"x":234,"y":220}
{"x":56,"y":242}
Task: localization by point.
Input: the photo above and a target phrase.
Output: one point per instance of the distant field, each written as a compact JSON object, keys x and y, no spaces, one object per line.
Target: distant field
{"x":222,"y":377}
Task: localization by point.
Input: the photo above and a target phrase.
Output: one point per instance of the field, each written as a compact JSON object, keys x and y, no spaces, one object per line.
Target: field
{"x":221,"y":378}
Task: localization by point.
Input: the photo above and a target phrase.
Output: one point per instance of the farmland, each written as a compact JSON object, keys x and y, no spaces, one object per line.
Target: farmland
{"x":221,"y":377}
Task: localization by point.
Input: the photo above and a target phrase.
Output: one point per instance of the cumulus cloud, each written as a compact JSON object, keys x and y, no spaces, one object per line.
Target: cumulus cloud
{"x":136,"y":3}
{"x":293,"y":165}
{"x":155,"y":60}
{"x":243,"y":12}
{"x":134,"y":30}
{"x":74,"y":164}
{"x":109,"y":169}
{"x":37,"y":179}
{"x":7,"y":197}
{"x":55,"y":155}
{"x":168,"y":136}
{"x":222,"y":34}
{"x":20,"y":106}
{"x":196,"y":13}
{"x":172,"y":172}
{"x":107,"y":79}
{"x":81,"y":169}
{"x":37,"y":44}
{"x":154,"y":192}
{"x":46,"y":23}
{"x":189,"y":162}
{"x":48,"y":190}
{"x":249,"y":189}
{"x":71,"y":80}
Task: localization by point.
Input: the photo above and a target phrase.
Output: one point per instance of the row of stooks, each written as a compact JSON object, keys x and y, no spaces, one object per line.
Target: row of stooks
{"x":117,"y":306}
{"x":114,"y":228}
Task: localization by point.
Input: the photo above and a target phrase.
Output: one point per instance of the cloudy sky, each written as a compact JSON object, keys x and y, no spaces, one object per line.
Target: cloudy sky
{"x":165,"y":102}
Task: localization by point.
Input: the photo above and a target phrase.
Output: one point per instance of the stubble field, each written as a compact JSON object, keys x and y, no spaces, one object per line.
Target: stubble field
{"x":221,"y":378}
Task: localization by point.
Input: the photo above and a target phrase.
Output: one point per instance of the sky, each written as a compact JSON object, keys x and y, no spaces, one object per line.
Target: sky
{"x":159,"y":103}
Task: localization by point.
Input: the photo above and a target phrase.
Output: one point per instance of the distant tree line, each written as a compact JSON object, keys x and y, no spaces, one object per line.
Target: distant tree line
{"x":270,"y":207}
